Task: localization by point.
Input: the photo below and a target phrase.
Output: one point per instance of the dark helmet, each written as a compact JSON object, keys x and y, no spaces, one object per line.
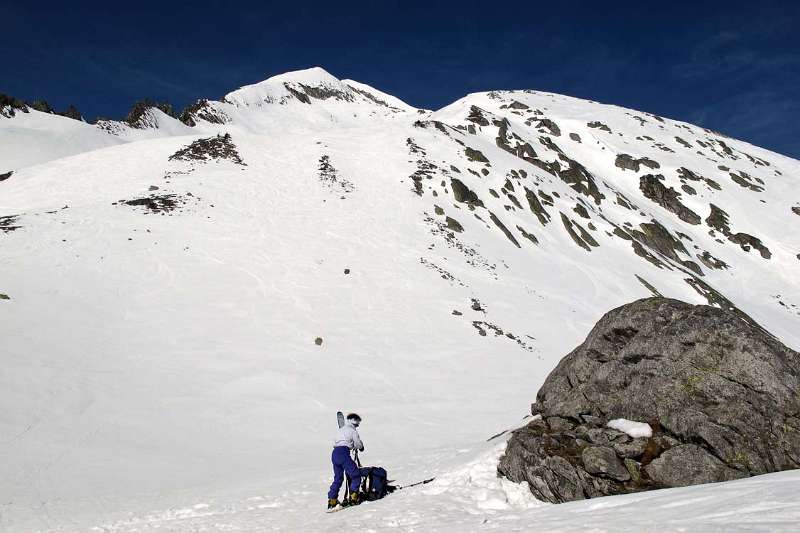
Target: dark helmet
{"x":353,"y":417}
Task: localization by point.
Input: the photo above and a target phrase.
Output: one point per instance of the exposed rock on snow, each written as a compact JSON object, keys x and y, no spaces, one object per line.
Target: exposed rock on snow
{"x":626,"y":162}
{"x":686,"y":174}
{"x":658,"y":239}
{"x":139,"y":116}
{"x":330,"y":176}
{"x":158,"y":203}
{"x":42,"y":105}
{"x":718,"y":220}
{"x":504,"y":229}
{"x":599,"y":125}
{"x":475,"y":155}
{"x":584,"y":240}
{"x":718,"y":392}
{"x":212,"y":148}
{"x":748,"y":182}
{"x":10,"y":105}
{"x":7,"y":223}
{"x":668,"y":198}
{"x":202,"y":110}
{"x":462,"y":193}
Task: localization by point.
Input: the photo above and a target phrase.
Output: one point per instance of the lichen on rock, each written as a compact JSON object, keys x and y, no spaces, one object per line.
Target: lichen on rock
{"x":718,"y":391}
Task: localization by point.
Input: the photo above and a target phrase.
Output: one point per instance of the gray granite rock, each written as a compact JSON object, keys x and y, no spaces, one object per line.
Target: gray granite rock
{"x":719,"y":392}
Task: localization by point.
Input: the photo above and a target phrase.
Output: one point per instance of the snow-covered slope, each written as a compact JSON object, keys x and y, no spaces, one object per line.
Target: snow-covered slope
{"x":144,"y":122}
{"x":166,"y":294}
{"x":297,"y":102}
{"x":470,"y":497}
{"x":29,"y":137}
{"x":32,"y":137}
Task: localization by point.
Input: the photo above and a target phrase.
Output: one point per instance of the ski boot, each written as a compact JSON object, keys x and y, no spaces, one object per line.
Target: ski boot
{"x":355,"y":498}
{"x":332,"y":503}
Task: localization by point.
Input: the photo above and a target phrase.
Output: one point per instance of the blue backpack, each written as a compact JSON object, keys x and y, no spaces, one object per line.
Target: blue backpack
{"x":375,"y":483}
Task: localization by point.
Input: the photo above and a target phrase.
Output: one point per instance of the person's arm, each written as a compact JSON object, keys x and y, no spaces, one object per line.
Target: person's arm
{"x":357,"y":441}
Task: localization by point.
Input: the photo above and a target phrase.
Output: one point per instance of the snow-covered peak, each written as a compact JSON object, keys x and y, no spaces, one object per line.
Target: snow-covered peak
{"x":299,"y":100}
{"x":379,"y":97}
{"x":313,"y":86}
{"x":288,"y":86}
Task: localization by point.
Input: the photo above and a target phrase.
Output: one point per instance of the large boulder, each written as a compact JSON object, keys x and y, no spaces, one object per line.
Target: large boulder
{"x":720,"y":394}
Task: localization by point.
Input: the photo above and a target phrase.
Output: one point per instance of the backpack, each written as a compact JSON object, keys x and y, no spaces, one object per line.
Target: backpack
{"x":375,"y":483}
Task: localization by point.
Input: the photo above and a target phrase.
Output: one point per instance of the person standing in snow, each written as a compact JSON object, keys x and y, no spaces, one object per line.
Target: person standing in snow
{"x":347,"y":440}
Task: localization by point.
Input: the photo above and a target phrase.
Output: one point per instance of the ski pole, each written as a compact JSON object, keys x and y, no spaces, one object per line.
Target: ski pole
{"x":423,"y":482}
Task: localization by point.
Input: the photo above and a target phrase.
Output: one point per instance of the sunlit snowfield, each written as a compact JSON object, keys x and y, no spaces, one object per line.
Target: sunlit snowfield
{"x":160,"y":371}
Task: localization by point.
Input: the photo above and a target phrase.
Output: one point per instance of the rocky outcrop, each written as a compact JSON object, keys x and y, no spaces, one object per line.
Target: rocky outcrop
{"x":476,"y":115}
{"x":10,"y":105}
{"x":464,"y":194}
{"x":657,"y":238}
{"x":686,"y":174}
{"x":71,"y":112}
{"x":475,"y":155}
{"x":627,"y":162}
{"x":570,"y":171}
{"x":718,"y":220}
{"x":139,"y":116}
{"x":718,"y":392}
{"x":549,"y":126}
{"x":599,"y":125}
{"x":209,"y":149}
{"x":8,"y":223}
{"x":584,"y":240}
{"x":668,"y":198}
{"x":42,"y":106}
{"x":536,"y":207}
{"x":504,"y":229}
{"x":202,"y":110}
{"x":743,"y":179}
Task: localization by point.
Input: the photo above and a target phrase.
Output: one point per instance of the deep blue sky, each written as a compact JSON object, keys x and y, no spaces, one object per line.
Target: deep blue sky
{"x":731,"y":66}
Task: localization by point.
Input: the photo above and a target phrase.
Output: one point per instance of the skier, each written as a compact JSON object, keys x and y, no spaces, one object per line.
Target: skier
{"x":347,"y":439}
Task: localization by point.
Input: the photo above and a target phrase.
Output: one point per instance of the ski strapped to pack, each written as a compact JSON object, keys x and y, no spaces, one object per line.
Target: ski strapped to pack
{"x":375,"y":484}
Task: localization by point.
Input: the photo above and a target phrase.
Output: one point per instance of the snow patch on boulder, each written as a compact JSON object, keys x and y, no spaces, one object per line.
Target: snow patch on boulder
{"x":634,"y":429}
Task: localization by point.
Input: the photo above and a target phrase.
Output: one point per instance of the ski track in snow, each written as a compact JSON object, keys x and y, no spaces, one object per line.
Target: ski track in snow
{"x":168,"y":360}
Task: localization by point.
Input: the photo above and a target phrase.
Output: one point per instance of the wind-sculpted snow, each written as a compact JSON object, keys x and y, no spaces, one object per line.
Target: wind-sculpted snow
{"x":149,"y":354}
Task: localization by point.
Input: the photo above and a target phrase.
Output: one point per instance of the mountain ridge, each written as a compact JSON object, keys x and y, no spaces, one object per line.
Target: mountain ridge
{"x":166,"y":292}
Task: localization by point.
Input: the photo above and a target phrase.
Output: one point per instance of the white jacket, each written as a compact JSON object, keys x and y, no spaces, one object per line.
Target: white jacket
{"x":348,"y":436}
